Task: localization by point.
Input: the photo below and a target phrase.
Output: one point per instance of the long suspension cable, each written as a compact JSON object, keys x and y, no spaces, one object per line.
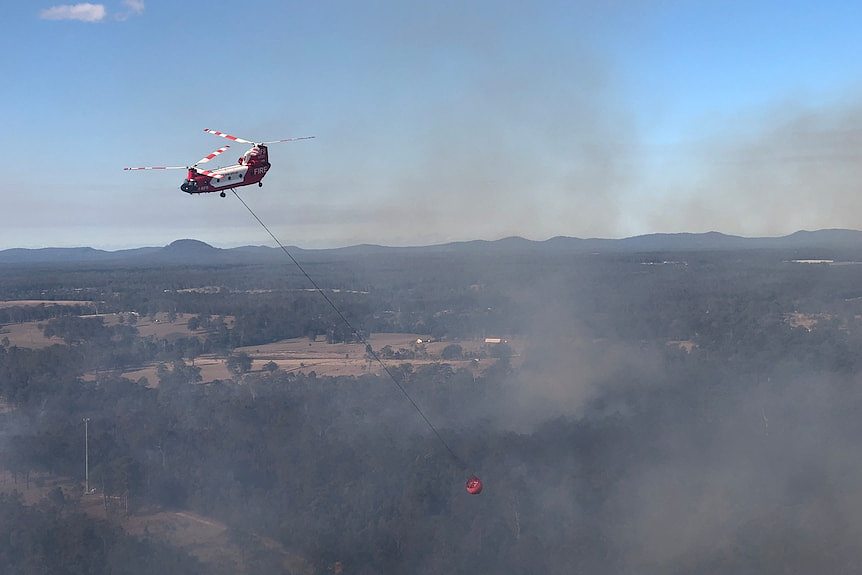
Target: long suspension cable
{"x":356,"y":334}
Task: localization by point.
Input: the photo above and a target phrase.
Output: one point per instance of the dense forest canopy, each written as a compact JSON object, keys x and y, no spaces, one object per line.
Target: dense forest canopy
{"x":661,"y":412}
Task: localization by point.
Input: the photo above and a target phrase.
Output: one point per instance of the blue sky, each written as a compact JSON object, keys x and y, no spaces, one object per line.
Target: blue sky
{"x":435,"y":121}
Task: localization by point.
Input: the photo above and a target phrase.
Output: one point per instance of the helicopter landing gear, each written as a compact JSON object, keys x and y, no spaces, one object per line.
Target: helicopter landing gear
{"x":260,"y":184}
{"x":222,"y":194}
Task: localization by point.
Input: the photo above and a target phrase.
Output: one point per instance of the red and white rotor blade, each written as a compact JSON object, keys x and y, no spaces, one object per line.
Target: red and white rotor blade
{"x":218,"y":152}
{"x":227,"y":136}
{"x":158,"y":168}
{"x":289,"y":140}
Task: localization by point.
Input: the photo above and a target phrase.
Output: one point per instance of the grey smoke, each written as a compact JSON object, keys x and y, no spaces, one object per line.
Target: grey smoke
{"x":771,"y":173}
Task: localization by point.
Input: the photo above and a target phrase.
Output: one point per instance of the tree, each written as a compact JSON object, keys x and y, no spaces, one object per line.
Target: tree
{"x":239,"y":363}
{"x":452,"y":351}
{"x":501,"y":350}
{"x":181,"y":373}
{"x":193,"y":348}
{"x":271,"y":367}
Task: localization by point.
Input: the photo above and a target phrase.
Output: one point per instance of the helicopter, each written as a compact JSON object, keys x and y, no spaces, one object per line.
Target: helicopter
{"x":249,"y":169}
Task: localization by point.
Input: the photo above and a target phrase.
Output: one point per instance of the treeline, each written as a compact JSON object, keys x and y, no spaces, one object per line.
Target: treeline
{"x":20,"y":314}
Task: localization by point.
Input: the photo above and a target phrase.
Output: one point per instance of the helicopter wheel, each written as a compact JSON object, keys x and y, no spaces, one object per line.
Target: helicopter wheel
{"x":260,"y":184}
{"x":222,"y":194}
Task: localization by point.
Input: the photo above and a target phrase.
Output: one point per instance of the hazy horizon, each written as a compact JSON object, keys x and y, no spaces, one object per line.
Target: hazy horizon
{"x":230,"y":245}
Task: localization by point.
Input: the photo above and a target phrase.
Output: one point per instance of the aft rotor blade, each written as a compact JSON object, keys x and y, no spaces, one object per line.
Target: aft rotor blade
{"x":289,"y":140}
{"x":227,"y":136}
{"x":206,"y":159}
{"x":158,"y":168}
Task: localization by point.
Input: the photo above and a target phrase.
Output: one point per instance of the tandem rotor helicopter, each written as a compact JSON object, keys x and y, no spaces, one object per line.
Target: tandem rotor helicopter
{"x":249,"y":169}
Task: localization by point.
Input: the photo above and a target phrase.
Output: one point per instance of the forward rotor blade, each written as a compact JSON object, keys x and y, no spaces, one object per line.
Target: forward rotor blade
{"x":158,"y":168}
{"x":288,"y":140}
{"x":206,"y":159}
{"x":227,"y":136}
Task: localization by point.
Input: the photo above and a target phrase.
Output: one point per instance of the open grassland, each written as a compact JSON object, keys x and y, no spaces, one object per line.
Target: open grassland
{"x":303,"y":355}
{"x":212,"y":368}
{"x":27,"y":334}
{"x":209,"y":540}
{"x":299,"y":355}
{"x":159,"y":326}
{"x":294,"y":355}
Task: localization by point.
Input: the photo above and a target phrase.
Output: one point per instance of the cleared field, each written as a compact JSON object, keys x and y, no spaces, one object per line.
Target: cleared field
{"x":207,"y":539}
{"x":686,"y":345}
{"x":212,"y":368}
{"x":27,"y":334}
{"x":160,"y":328}
{"x":303,"y":348}
{"x":293,"y":355}
{"x":302,"y":355}
{"x":808,"y":321}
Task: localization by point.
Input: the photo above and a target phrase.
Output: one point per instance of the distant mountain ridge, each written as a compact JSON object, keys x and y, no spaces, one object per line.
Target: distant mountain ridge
{"x":191,"y":251}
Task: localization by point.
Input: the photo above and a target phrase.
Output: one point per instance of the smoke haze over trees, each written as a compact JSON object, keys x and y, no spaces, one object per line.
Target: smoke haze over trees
{"x":655,"y":412}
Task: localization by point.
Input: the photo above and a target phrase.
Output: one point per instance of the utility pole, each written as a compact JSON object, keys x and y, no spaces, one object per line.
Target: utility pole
{"x":87,"y":455}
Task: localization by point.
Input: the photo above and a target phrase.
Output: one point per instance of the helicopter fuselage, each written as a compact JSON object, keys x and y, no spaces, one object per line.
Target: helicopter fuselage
{"x":251,"y":170}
